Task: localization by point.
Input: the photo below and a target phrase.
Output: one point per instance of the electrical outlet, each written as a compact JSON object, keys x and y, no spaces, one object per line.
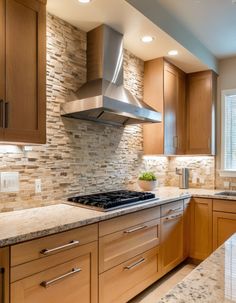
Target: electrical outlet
{"x":226,"y":184}
{"x":202,"y":180}
{"x":37,"y":186}
{"x":194,"y":178}
{"x":9,"y":182}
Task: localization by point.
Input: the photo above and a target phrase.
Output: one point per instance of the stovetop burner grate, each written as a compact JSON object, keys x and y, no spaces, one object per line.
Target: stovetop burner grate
{"x":111,"y":200}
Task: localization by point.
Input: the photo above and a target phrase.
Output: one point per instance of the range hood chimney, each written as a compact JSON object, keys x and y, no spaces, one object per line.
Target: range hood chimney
{"x":103,"y":97}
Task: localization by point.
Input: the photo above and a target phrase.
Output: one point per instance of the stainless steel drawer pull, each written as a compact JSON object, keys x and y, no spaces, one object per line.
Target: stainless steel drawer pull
{"x":128,"y":267}
{"x":129,"y":231}
{"x":173,"y":217}
{"x":47,"y":251}
{"x":173,"y":210}
{"x":51,"y":282}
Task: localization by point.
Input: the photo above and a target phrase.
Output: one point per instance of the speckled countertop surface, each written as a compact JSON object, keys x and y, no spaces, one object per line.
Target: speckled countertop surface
{"x":214,"y":280}
{"x":22,"y":225}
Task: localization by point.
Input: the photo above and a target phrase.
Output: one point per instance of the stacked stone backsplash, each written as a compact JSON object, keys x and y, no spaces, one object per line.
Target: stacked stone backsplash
{"x":81,"y":157}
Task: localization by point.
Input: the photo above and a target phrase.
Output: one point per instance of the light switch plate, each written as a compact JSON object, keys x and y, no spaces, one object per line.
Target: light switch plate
{"x":9,"y":182}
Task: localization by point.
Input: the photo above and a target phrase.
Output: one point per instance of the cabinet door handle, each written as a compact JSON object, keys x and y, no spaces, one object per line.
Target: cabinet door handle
{"x":132,"y":230}
{"x":2,"y":116}
{"x":6,"y":114}
{"x":53,"y":281}
{"x":173,"y":217}
{"x":175,"y":142}
{"x":47,"y":251}
{"x":173,"y":210}
{"x":131,"y":266}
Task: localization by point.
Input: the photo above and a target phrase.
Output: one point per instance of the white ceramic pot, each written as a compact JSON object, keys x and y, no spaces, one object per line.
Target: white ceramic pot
{"x":147,"y":185}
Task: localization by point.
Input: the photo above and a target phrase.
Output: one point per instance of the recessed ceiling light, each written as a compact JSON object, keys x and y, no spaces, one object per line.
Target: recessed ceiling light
{"x":84,"y":1}
{"x":147,"y":39}
{"x":173,"y":52}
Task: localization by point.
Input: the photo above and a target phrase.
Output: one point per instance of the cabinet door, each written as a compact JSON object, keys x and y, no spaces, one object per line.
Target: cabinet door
{"x":65,"y":283}
{"x":4,"y":275}
{"x":171,"y":241}
{"x":201,"y":113}
{"x":2,"y":65}
{"x":224,"y":226}
{"x":25,"y":99}
{"x":187,"y":226}
{"x":201,"y":229}
{"x":170,"y":109}
{"x":181,"y":114}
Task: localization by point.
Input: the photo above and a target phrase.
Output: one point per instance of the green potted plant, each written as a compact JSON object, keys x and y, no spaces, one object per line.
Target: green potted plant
{"x":147,"y":181}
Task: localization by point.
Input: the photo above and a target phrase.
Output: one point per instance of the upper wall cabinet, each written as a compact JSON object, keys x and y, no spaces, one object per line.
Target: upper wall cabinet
{"x":164,"y":90}
{"x":23,"y":71}
{"x":201,"y":97}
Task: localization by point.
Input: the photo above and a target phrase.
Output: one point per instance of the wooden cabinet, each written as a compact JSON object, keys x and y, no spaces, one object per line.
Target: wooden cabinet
{"x":23,"y":71}
{"x":187,"y":225}
{"x":201,"y":228}
{"x":123,"y":282}
{"x":59,"y":271}
{"x":129,"y":258}
{"x":172,"y":239}
{"x":4,"y":275}
{"x":201,"y":98}
{"x":164,"y":90}
{"x":224,"y":221}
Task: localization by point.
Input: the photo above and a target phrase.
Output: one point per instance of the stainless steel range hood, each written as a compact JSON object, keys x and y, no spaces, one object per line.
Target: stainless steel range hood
{"x":103,"y":97}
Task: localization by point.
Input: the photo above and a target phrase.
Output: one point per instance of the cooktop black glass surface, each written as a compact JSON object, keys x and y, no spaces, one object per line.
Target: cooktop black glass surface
{"x":113,"y":200}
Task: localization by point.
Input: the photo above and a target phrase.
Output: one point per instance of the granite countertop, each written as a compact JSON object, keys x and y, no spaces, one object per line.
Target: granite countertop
{"x":28,"y":224}
{"x":214,"y":280}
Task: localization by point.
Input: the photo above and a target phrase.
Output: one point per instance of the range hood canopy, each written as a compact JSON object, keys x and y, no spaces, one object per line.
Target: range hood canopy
{"x":103,"y":97}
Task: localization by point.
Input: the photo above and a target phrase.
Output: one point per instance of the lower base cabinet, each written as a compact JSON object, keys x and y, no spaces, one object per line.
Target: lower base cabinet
{"x":4,"y":275}
{"x":171,"y":241}
{"x":123,"y":282}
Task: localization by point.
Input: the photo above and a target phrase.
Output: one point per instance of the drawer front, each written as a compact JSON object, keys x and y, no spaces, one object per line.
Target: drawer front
{"x":171,"y":208}
{"x":126,"y":280}
{"x":120,"y":246}
{"x":127,"y":221}
{"x":51,"y":245}
{"x":66,"y":283}
{"x":224,"y":205}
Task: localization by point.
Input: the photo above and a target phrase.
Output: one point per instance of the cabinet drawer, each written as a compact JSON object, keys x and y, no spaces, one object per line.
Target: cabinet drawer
{"x":171,"y":208}
{"x":66,"y":283}
{"x":228,"y":206}
{"x":50,"y":245}
{"x":127,"y":221}
{"x":124,"y":281}
{"x":120,"y":246}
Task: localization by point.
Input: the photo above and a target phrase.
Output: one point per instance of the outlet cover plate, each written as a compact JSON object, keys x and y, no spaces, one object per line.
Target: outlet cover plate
{"x":9,"y":182}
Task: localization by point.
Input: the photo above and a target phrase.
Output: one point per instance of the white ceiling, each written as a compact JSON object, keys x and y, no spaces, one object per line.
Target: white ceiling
{"x":213,"y":22}
{"x":126,"y":19}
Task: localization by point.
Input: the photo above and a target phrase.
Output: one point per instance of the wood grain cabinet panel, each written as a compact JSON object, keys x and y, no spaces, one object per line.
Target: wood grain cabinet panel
{"x":201,"y":98}
{"x":171,"y":241}
{"x":164,"y":90}
{"x":23,"y":71}
{"x":4,"y":275}
{"x":120,"y":246}
{"x":201,"y":228}
{"x":126,"y":280}
{"x":224,"y":226}
{"x":187,"y":226}
{"x":65,"y":283}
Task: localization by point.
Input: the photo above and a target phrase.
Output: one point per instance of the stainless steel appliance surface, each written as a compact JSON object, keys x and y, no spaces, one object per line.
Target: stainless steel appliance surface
{"x":103,"y":98}
{"x":112,"y":200}
{"x":183,"y":177}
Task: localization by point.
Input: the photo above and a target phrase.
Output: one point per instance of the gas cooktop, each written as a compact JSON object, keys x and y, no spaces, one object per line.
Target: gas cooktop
{"x":113,"y":200}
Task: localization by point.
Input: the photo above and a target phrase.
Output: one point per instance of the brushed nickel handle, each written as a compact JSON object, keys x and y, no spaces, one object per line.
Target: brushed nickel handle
{"x":47,"y":251}
{"x":173,"y":210}
{"x":209,"y":143}
{"x":175,"y":142}
{"x":2,"y":115}
{"x":131,"y":266}
{"x":6,"y":122}
{"x":53,"y":281}
{"x":173,"y":217}
{"x":132,"y":230}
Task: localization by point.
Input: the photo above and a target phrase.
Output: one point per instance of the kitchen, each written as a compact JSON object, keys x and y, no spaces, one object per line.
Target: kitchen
{"x":122,"y":251}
